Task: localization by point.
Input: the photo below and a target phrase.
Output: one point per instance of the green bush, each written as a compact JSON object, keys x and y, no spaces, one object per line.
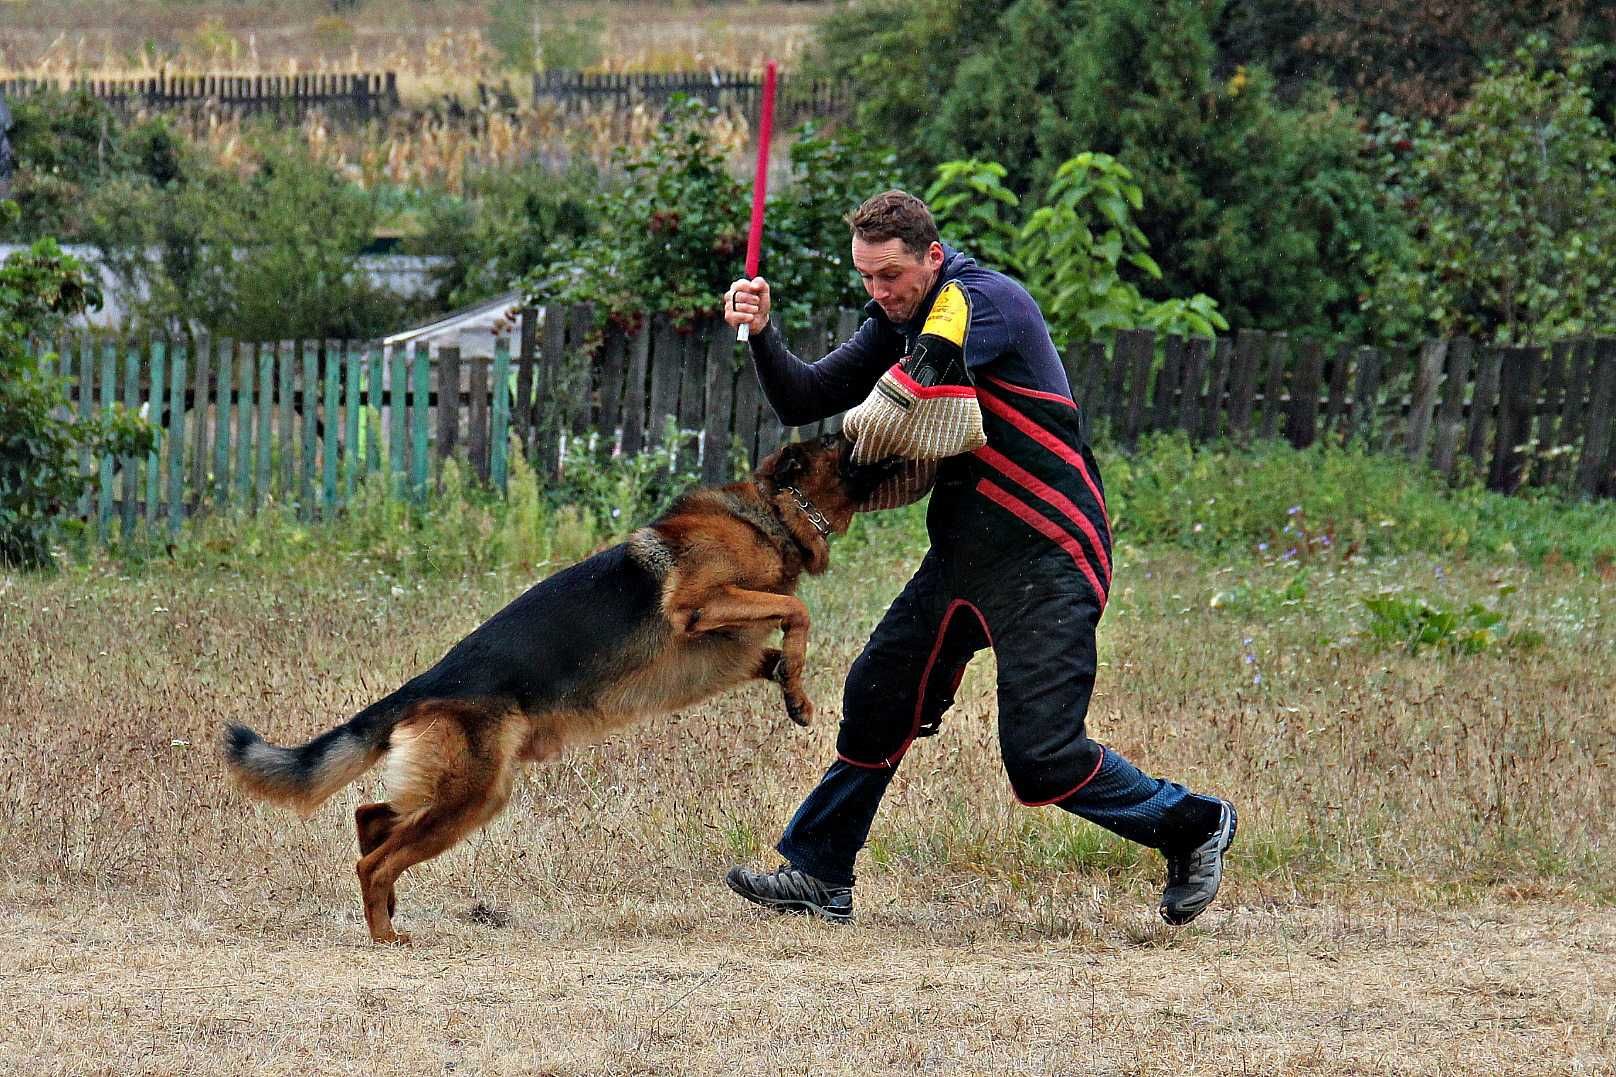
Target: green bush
{"x":39,"y":448}
{"x":1070,"y":251}
{"x":67,"y":146}
{"x":1512,"y":205}
{"x":672,"y":236}
{"x":1414,"y":624}
{"x":270,"y":256}
{"x":1405,"y":59}
{"x":508,"y":222}
{"x":1262,"y":205}
{"x":669,"y":241}
{"x":807,"y":247}
{"x":1287,"y":504}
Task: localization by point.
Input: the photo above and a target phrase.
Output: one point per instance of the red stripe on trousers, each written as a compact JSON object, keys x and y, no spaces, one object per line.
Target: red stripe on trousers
{"x":925,"y":678}
{"x":1074,"y":789}
{"x":1045,"y":527}
{"x":1039,"y":488}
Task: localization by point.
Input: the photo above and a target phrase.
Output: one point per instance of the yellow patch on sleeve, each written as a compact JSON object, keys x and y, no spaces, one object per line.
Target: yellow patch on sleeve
{"x":950,"y":314}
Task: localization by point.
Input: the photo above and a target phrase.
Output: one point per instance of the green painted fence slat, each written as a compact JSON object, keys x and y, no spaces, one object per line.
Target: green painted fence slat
{"x":176,"y":438}
{"x":244,"y":427}
{"x":109,"y":387}
{"x":373,"y":411}
{"x":499,"y":421}
{"x":225,"y":353}
{"x":131,"y":466}
{"x":396,"y":445}
{"x":86,"y":390}
{"x":308,"y":396}
{"x":333,"y":419}
{"x":353,"y":363}
{"x":202,"y":373}
{"x":285,"y":361}
{"x":266,"y":397}
{"x":421,"y":389}
{"x":155,"y":404}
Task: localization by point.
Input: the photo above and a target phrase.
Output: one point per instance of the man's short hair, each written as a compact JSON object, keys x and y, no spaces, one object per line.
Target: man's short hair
{"x":895,"y":215}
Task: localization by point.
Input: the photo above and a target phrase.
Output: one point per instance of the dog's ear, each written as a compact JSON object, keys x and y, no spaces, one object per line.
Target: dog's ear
{"x":785,"y":466}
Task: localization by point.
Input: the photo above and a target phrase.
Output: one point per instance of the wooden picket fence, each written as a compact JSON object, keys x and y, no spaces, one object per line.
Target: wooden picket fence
{"x":305,"y":422}
{"x":1517,"y":414}
{"x":797,"y":98}
{"x":363,"y":95}
{"x":357,"y":95}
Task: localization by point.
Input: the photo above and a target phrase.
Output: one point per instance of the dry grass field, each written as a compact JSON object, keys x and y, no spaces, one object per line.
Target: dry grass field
{"x":437,"y":48}
{"x":422,"y":40}
{"x":1422,"y":884}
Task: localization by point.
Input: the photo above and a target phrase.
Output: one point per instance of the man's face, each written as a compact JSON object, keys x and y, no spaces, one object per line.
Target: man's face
{"x":894,"y":277}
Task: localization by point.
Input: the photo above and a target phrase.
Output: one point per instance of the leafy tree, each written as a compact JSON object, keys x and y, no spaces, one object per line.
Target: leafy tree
{"x":669,"y":241}
{"x":508,"y":222}
{"x":267,"y":256}
{"x":807,"y":246}
{"x":901,"y":56}
{"x":1263,"y":205}
{"x":39,"y":469}
{"x":1406,"y":59}
{"x":1513,"y":206}
{"x":1071,"y":250}
{"x":68,"y":144}
{"x":973,"y":207}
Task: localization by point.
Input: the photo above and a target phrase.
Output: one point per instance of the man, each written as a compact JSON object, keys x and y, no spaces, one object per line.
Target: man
{"x":954,"y":368}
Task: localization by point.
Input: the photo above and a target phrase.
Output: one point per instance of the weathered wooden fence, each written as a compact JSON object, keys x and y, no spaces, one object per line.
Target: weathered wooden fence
{"x":797,"y":99}
{"x":359,"y":95}
{"x":362,"y":95}
{"x":1522,"y":414}
{"x":305,"y":421}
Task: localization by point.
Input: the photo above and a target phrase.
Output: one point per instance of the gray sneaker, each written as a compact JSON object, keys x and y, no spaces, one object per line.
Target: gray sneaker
{"x":789,"y":890}
{"x":1195,"y":869}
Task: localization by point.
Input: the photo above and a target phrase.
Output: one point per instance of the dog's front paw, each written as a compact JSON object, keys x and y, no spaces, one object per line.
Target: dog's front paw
{"x":799,"y":708}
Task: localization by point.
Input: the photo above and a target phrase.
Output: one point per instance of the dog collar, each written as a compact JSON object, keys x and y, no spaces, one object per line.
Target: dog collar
{"x":815,"y":517}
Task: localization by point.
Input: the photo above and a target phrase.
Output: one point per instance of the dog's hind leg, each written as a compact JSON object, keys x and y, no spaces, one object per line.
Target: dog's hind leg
{"x":374,"y":823}
{"x":454,"y":774}
{"x":409,"y":844}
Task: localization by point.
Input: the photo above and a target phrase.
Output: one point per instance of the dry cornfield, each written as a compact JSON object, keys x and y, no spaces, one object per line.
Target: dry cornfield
{"x":427,"y":150}
{"x":1421,"y":886}
{"x":439,"y":51}
{"x":431,"y":44}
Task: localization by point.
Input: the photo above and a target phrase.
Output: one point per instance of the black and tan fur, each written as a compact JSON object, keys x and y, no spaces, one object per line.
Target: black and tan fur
{"x":683,"y":610}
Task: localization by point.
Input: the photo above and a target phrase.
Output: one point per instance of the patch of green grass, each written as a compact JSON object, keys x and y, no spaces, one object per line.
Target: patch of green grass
{"x":1282,"y":503}
{"x":1058,"y":841}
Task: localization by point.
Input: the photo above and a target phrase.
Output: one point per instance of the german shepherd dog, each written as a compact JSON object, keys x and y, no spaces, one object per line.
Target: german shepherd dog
{"x":683,"y":610}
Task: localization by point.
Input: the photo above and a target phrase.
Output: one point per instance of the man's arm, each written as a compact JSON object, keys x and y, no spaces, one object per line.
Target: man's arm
{"x":803,"y":392}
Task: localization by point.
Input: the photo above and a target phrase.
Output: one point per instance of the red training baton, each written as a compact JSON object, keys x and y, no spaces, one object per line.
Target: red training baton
{"x":760,"y":184}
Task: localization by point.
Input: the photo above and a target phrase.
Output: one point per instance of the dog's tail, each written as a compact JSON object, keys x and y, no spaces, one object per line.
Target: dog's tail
{"x":303,"y":777}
